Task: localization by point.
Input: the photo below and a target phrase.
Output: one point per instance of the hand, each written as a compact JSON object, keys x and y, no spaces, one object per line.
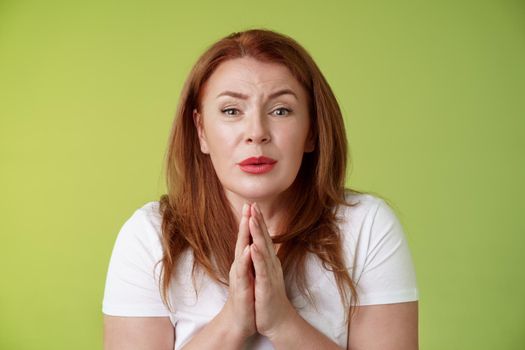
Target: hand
{"x":239,"y":309}
{"x":272,"y":307}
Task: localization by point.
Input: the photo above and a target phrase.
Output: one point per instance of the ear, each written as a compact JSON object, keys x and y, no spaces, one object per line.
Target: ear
{"x":309,"y":144}
{"x":197,"y":120}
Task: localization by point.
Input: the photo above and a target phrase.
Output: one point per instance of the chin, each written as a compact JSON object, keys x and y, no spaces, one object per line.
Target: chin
{"x":254,"y":194}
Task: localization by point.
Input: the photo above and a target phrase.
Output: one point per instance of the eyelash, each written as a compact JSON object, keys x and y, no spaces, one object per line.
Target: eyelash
{"x":288,"y":111}
{"x":229,"y":109}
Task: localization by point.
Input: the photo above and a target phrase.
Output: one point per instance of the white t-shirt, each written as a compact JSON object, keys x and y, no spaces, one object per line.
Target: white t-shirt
{"x":376,"y":249}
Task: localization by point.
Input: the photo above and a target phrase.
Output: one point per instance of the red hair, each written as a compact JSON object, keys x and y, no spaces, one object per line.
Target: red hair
{"x":195,"y":212}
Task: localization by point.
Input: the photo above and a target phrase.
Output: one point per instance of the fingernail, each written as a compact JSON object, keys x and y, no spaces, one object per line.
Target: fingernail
{"x":256,"y":208}
{"x":244,"y":206}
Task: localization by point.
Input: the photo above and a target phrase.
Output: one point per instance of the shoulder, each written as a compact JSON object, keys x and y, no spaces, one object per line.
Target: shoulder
{"x":149,"y":213}
{"x":135,"y":266}
{"x":369,"y":222}
{"x":362,"y":207}
{"x":142,"y":229}
{"x":146,"y":218}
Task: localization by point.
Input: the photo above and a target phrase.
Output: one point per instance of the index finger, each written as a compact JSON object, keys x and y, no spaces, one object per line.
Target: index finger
{"x":263,"y":228}
{"x":243,"y":237}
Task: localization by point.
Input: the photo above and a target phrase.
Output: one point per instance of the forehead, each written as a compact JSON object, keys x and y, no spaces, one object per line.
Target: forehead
{"x":251,"y":76}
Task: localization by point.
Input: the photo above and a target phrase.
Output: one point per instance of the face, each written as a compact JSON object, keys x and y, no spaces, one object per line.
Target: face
{"x":254,"y":124}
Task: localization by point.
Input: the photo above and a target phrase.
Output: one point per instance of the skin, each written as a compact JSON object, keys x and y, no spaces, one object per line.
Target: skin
{"x":230,"y":130}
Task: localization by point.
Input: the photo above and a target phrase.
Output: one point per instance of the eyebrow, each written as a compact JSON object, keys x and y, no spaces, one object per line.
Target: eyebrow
{"x":245,"y":97}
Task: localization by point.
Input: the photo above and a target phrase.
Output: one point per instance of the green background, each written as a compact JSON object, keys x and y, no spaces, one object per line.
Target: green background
{"x":433,"y":97}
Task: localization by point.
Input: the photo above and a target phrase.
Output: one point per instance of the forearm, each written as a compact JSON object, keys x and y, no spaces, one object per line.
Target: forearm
{"x":217,"y":334}
{"x":299,"y":334}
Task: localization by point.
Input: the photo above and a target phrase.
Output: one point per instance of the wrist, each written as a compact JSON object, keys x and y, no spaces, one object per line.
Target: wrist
{"x":296,"y":333}
{"x":219,"y":333}
{"x":229,"y":330}
{"x":286,"y":328}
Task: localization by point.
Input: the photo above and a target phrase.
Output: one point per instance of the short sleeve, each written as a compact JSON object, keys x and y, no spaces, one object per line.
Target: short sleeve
{"x":388,"y":273}
{"x":132,"y":282}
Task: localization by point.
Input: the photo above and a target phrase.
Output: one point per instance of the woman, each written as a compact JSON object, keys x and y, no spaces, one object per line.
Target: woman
{"x":257,"y":244}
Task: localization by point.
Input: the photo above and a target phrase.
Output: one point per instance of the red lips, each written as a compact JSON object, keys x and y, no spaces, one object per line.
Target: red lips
{"x":257,"y":165}
{"x":257,"y":160}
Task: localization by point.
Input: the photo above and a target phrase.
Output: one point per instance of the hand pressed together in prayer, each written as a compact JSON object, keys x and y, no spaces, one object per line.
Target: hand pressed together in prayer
{"x":256,"y":303}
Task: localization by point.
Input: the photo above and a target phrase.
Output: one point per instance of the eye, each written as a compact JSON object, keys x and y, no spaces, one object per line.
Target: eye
{"x":282,"y":112}
{"x":230,"y":111}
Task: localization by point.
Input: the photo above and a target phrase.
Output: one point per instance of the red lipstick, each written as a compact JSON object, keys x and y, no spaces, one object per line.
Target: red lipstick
{"x":257,"y":165}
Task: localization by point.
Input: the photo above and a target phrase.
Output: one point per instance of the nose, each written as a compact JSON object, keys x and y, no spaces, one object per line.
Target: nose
{"x":257,"y":130}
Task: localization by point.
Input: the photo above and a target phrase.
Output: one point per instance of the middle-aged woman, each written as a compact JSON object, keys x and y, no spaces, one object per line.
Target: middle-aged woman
{"x":257,"y":243}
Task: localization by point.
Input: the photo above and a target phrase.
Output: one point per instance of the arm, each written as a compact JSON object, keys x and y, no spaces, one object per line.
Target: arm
{"x":296,"y":333}
{"x":138,"y":333}
{"x":132,"y":292}
{"x":384,"y":327}
{"x":134,"y":315}
{"x":217,"y":334}
{"x":373,"y":327}
{"x":388,"y":316}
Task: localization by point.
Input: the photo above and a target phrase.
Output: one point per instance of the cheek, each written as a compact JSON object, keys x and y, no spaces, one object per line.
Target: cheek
{"x":221,"y":143}
{"x":295,"y":140}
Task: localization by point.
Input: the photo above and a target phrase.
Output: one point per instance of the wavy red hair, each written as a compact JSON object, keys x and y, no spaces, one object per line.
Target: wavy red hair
{"x":195,"y":212}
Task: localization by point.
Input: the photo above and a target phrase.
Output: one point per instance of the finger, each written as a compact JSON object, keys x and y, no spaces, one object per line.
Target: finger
{"x":263,"y":228}
{"x":259,"y":262}
{"x":258,"y":238}
{"x":243,"y":268}
{"x":243,"y":237}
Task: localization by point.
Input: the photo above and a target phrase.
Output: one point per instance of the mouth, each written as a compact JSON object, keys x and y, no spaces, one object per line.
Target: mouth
{"x":257,"y":165}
